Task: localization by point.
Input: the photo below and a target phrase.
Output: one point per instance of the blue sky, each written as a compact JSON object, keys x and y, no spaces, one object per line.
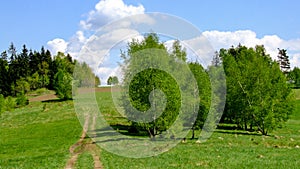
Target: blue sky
{"x":36,"y":22}
{"x":67,"y":25}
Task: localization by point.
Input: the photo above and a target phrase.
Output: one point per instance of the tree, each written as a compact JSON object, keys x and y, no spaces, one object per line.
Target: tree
{"x":97,"y":81}
{"x":257,"y":92}
{"x":43,"y":71}
{"x":112,"y":80}
{"x":23,"y":63}
{"x":147,"y":87}
{"x":13,"y":52}
{"x":216,"y":59}
{"x":33,"y":61}
{"x":178,"y":52}
{"x":294,"y":76}
{"x":283,"y":60}
{"x":4,"y":78}
{"x":22,"y":86}
{"x":84,"y":76}
{"x":204,"y":93}
{"x":4,"y":55}
{"x":63,"y":84}
{"x":62,"y":81}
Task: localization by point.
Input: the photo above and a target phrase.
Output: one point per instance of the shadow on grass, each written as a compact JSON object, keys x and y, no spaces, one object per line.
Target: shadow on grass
{"x":239,"y":132}
{"x":118,"y":139}
{"x":55,"y":100}
{"x":122,"y":129}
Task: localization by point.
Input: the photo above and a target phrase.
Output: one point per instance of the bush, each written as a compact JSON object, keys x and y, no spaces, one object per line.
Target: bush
{"x":22,"y":100}
{"x":10,"y":104}
{"x":41,"y":91}
{"x":2,"y":103}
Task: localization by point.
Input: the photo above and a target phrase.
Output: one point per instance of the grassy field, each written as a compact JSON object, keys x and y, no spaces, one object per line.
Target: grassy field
{"x":225,"y":149}
{"x":40,"y":135}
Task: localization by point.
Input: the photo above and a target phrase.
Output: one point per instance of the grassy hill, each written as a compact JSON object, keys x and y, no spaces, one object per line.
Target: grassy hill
{"x":40,"y":135}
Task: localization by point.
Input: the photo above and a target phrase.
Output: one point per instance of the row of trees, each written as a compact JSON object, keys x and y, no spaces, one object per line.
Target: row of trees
{"x":31,"y":70}
{"x":160,"y":83}
{"x":258,"y":96}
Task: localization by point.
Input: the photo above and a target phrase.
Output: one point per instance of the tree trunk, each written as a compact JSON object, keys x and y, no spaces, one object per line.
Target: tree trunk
{"x":193,"y":132}
{"x":151,"y":135}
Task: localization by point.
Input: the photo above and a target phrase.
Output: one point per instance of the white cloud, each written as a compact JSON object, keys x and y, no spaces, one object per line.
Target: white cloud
{"x":106,"y":72}
{"x":107,"y":11}
{"x":95,"y":49}
{"x":248,"y":38}
{"x":57,"y":45}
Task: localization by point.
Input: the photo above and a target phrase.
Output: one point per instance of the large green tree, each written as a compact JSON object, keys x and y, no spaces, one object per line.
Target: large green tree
{"x":63,"y":84}
{"x":62,"y":81}
{"x":150,"y":89}
{"x":204,"y":91}
{"x":257,"y":92}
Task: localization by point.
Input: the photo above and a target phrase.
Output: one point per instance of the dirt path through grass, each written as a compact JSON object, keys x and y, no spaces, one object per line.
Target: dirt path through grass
{"x":80,"y":146}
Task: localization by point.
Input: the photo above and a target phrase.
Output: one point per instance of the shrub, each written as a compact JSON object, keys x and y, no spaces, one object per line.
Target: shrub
{"x":2,"y":103}
{"x":22,"y":100}
{"x":10,"y":104}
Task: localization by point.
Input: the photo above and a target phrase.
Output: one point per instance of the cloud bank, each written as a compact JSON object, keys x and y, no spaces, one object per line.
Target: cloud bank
{"x":248,"y":38}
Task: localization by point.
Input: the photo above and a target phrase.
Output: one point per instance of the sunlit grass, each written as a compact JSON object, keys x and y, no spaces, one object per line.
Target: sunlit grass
{"x":38,"y":137}
{"x":40,"y":134}
{"x":85,"y":160}
{"x":225,"y":149}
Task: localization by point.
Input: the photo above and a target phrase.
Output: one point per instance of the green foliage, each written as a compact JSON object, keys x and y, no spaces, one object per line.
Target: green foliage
{"x":31,"y":138}
{"x":2,"y":104}
{"x":146,"y":86}
{"x":22,"y":100}
{"x":63,"y":84}
{"x":232,"y":148}
{"x":158,"y":92}
{"x":44,"y":78}
{"x":204,"y":90}
{"x":4,"y":83}
{"x":10,"y":103}
{"x":283,"y":60}
{"x":22,"y":86}
{"x":34,"y":81}
{"x":97,"y":81}
{"x":112,"y":80}
{"x":178,"y":52}
{"x":257,"y":92}
{"x":294,"y":76}
{"x":84,"y":77}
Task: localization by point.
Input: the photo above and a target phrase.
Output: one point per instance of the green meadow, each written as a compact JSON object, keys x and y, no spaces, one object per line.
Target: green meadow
{"x":40,"y":134}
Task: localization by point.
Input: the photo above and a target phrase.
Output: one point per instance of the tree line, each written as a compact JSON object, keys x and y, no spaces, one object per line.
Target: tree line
{"x":258,"y":95}
{"x":28,"y":70}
